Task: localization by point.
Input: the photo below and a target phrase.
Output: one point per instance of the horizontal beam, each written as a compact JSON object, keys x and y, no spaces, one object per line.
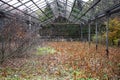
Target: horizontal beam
{"x":112,"y":10}
{"x":64,"y":23}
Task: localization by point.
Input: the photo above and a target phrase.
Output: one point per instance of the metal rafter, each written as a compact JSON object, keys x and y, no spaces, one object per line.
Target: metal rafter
{"x":17,"y":6}
{"x":89,"y":9}
{"x":25,"y":5}
{"x":80,"y":11}
{"x":43,"y":7}
{"x":19,"y":10}
{"x":18,"y":18}
{"x":3,"y":4}
{"x":49,"y":6}
{"x":113,"y":10}
{"x":28,"y":8}
{"x":57,"y":6}
{"x":12,"y":4}
{"x":40,"y":9}
{"x":66,"y":8}
{"x":72,"y":9}
{"x":31,"y":6}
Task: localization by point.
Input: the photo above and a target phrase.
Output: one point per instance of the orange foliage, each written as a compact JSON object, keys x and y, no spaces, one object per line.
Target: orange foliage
{"x":114,"y":29}
{"x":78,"y":56}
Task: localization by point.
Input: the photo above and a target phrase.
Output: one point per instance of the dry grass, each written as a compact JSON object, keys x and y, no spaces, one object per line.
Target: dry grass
{"x":71,"y":61}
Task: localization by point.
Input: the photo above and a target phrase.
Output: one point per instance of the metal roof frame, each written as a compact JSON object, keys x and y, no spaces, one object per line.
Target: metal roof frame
{"x":64,"y":11}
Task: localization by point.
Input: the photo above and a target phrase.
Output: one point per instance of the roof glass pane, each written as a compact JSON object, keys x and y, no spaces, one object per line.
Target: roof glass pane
{"x":34,"y":9}
{"x":62,"y":1}
{"x":32,"y":6}
{"x":23,"y":1}
{"x":29,"y":4}
{"x":22,"y":7}
{"x":7,"y":0}
{"x":41,"y":4}
{"x":1,"y":4}
{"x":17,"y":4}
{"x":71,"y":1}
{"x":13,"y":2}
{"x":49,"y":1}
{"x":60,"y":6}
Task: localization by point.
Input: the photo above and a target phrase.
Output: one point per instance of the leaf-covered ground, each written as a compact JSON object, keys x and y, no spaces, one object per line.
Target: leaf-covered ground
{"x":64,"y":61}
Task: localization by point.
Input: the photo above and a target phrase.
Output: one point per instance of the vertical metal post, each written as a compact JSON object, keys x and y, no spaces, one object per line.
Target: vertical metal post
{"x":107,"y":30}
{"x":89,"y":33}
{"x":100,"y":33}
{"x":81,"y":32}
{"x":2,"y":44}
{"x":96,"y":35}
{"x":29,"y":25}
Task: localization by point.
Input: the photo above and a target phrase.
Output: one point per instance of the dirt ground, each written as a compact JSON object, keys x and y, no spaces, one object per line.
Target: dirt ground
{"x":70,"y":61}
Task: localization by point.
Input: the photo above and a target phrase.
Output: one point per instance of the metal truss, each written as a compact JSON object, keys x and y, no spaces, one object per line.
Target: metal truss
{"x":73,"y":10}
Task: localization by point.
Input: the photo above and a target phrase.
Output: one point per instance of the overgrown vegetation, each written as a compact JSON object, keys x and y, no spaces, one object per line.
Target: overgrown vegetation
{"x":74,"y":61}
{"x":114,"y":31}
{"x":45,"y":50}
{"x":113,"y":35}
{"x":55,"y":60}
{"x":15,"y":40}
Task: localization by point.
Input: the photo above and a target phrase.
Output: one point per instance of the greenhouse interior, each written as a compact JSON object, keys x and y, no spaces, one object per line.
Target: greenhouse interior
{"x":59,"y":39}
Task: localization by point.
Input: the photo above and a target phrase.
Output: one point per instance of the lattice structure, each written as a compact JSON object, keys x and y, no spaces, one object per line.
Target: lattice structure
{"x":75,"y":11}
{"x":35,"y":13}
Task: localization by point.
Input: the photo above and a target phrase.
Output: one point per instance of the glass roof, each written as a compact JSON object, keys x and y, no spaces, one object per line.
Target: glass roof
{"x":45,"y":10}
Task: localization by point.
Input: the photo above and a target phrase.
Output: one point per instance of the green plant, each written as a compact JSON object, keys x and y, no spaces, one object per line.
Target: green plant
{"x":45,"y":50}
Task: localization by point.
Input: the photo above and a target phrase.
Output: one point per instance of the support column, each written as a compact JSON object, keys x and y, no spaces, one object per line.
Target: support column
{"x":89,"y":34}
{"x":107,"y":30}
{"x":81,"y":32}
{"x":29,"y":25}
{"x":2,"y":54}
{"x":96,"y":35}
